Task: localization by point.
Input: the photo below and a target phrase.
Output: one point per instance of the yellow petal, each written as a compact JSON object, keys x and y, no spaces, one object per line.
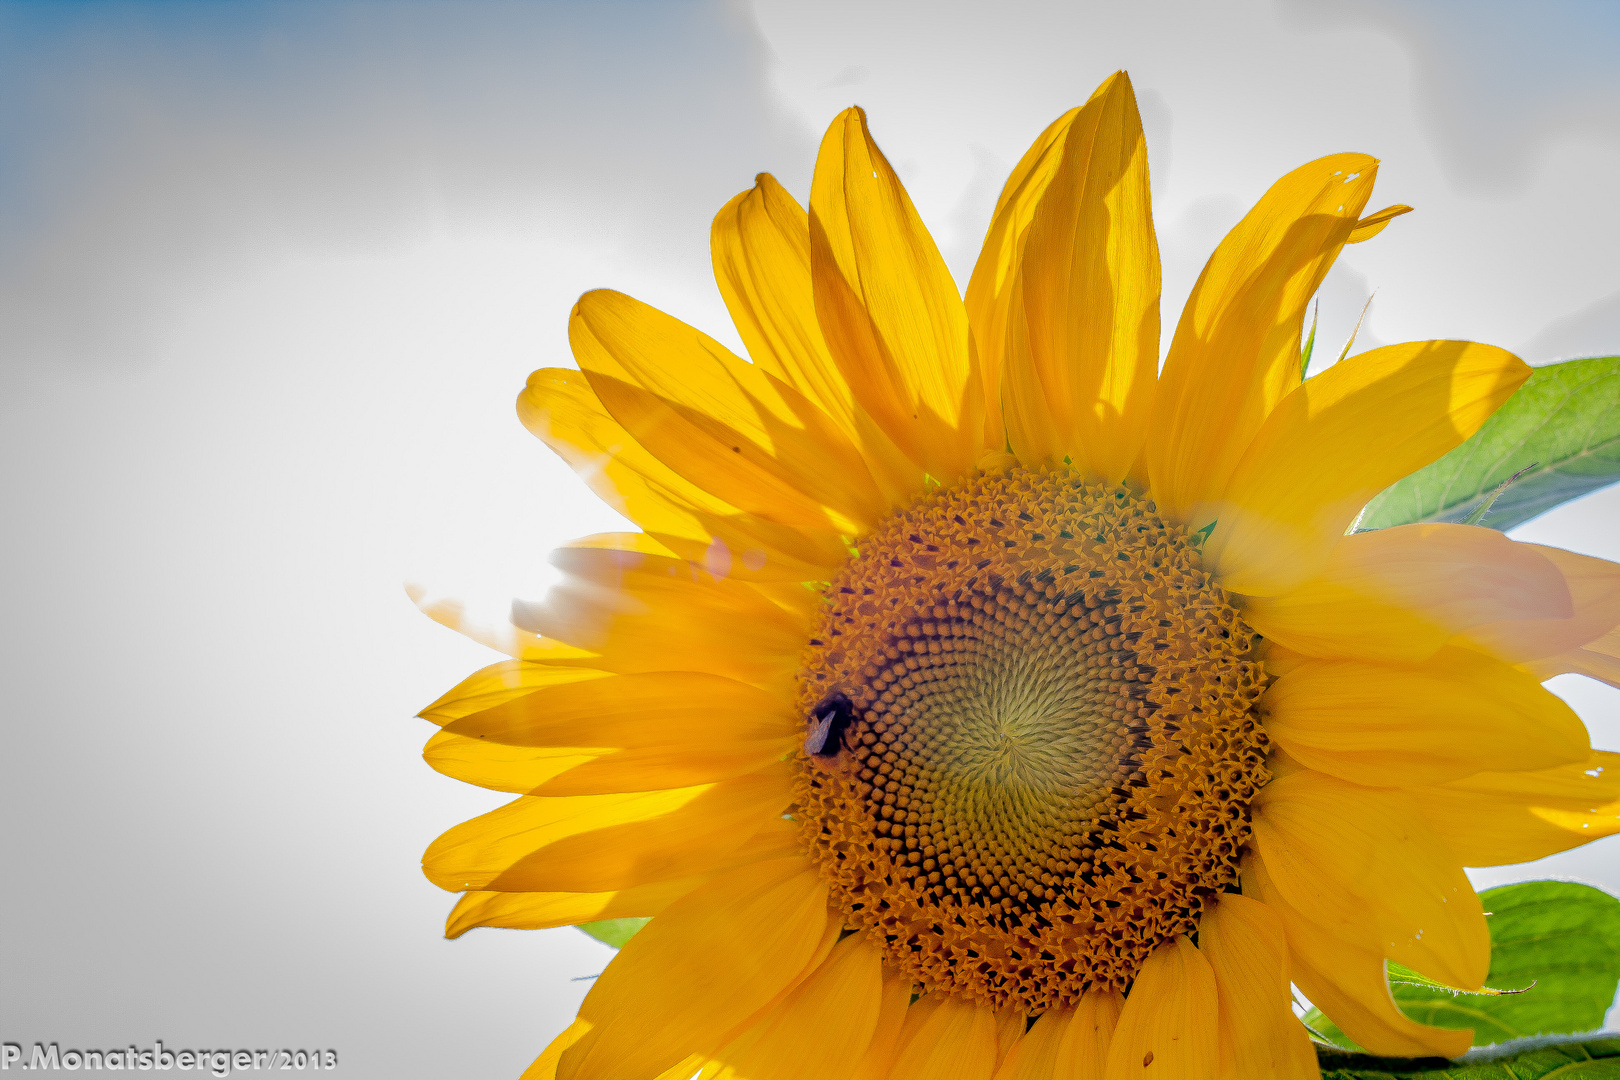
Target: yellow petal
{"x":1602,"y":666}
{"x":880,"y":1052}
{"x":1034,"y":1057}
{"x":638,"y":612}
{"x":760,"y":243}
{"x":545,"y":1066}
{"x":521,"y":645}
{"x":1083,"y":338}
{"x":743,"y":1035}
{"x":499,"y":683}
{"x":1067,"y":1043}
{"x":1236,"y":349}
{"x":1167,"y":1030}
{"x":647,"y":768}
{"x":708,"y":963}
{"x":646,"y":709}
{"x":1348,"y":983}
{"x":538,"y":910}
{"x":1011,"y":1023}
{"x":1594,"y":591}
{"x":917,"y":1015}
{"x":1373,"y":224}
{"x":1033,"y":433}
{"x":1456,"y":714}
{"x":686,"y":1069}
{"x":559,"y":407}
{"x":1364,"y":865}
{"x":1243,"y":941}
{"x":761,"y":246}
{"x":573,"y":770}
{"x":1398,"y":594}
{"x":1083,"y":1053}
{"x":636,"y":732}
{"x":1338,"y":440}
{"x":1492,"y":819}
{"x":1598,"y":659}
{"x":724,"y":424}
{"x":990,"y":288}
{"x":518,"y":769}
{"x":893,"y":319}
{"x":957,"y":1041}
{"x":600,"y":843}
{"x":728,"y":554}
{"x":821,"y":1029}
{"x":1607,"y":645}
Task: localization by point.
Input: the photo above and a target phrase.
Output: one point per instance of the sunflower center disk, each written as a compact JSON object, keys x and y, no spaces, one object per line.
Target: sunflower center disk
{"x":1032,"y":717}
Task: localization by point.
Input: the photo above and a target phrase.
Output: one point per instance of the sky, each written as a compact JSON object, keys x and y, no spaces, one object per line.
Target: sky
{"x":271,"y":276}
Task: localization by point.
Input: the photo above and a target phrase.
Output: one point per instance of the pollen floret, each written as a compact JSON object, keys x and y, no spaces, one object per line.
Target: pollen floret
{"x":1052,"y":745}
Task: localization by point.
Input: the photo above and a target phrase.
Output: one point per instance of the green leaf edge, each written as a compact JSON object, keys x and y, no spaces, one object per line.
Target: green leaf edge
{"x":1523,"y":1059}
{"x":1310,"y":345}
{"x":613,"y":932}
{"x":1374,"y":515}
{"x":1398,"y":974}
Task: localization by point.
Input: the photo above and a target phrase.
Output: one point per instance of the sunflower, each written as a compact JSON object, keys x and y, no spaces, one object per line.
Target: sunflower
{"x":978,"y":700}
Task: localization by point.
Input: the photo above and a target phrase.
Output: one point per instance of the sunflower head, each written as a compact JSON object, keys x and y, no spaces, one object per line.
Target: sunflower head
{"x":979,"y":699}
{"x":1051,"y":747}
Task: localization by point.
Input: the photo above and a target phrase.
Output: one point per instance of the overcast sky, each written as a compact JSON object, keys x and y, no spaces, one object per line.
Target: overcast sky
{"x":271,"y":275}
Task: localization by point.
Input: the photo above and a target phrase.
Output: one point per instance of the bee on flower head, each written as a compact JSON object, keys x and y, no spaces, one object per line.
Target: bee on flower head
{"x":829,"y":723}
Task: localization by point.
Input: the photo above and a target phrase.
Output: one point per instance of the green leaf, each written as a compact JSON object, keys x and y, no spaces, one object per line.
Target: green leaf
{"x":1477,"y":514}
{"x":1583,"y":1059}
{"x":1398,"y":974}
{"x":1322,"y":1028}
{"x":1560,"y":935}
{"x":1355,"y":330}
{"x":1310,"y":344}
{"x":1564,"y":419}
{"x":1557,"y":941}
{"x":614,"y":932}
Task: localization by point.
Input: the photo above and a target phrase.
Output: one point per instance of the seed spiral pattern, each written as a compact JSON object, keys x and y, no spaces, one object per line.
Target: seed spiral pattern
{"x":1034,"y":717}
